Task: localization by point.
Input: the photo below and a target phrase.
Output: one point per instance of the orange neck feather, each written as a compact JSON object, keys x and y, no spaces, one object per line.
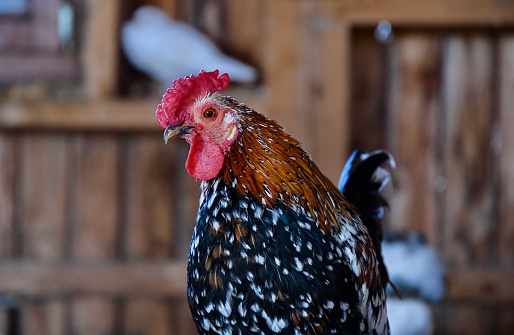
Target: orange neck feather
{"x":270,"y":165}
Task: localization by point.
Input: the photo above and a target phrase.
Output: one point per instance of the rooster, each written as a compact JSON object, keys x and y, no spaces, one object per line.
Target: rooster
{"x":277,"y":248}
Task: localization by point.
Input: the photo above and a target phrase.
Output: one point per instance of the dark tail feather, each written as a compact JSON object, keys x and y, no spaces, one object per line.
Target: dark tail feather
{"x":361,"y":181}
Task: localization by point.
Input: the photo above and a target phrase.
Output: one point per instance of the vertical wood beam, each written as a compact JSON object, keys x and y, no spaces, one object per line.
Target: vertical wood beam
{"x":413,"y":102}
{"x":95,"y":223}
{"x":101,"y":45}
{"x":506,"y":158}
{"x":470,"y":210}
{"x":309,"y":79}
{"x":42,"y":211}
{"x":8,"y":182}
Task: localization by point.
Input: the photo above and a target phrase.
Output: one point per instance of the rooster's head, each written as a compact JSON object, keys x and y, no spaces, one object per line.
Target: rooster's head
{"x":193,"y":110}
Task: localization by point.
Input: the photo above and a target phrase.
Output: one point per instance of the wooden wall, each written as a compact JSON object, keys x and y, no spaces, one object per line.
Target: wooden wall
{"x":441,"y":101}
{"x":96,"y":213}
{"x":94,"y":228}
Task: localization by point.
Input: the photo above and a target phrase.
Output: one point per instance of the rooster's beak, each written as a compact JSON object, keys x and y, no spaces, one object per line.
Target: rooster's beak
{"x":174,"y":131}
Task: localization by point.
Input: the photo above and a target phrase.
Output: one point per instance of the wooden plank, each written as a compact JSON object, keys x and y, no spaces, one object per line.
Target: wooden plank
{"x":20,"y":66}
{"x":505,"y":321}
{"x":100,"y":52}
{"x":185,"y":10}
{"x":149,"y":190}
{"x":283,"y":58}
{"x":109,"y":115}
{"x":99,"y":115}
{"x":4,"y":320}
{"x":413,"y":103}
{"x":467,"y":319}
{"x":480,"y":285}
{"x":245,"y":35}
{"x":150,"y":226}
{"x":309,"y":85}
{"x":470,"y":198}
{"x":95,"y":224}
{"x":210,"y":17}
{"x":367,"y":112}
{"x":183,"y":320}
{"x":149,"y":317}
{"x":506,"y":152}
{"x":42,"y":212}
{"x":95,"y":216}
{"x":96,"y":212}
{"x":100,"y":278}
{"x":43,"y":197}
{"x":436,"y":13}
{"x":45,"y":317}
{"x":92,"y":316}
{"x":331,"y":91}
{"x":169,"y":6}
{"x":8,"y":180}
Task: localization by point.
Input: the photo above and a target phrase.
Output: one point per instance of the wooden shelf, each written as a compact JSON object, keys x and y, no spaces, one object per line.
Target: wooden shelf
{"x":103,"y":115}
{"x":99,"y":115}
{"x":438,"y":13}
{"x":148,"y":278}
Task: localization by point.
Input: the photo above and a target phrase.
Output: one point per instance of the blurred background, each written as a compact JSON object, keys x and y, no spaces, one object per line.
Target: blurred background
{"x":96,"y":213}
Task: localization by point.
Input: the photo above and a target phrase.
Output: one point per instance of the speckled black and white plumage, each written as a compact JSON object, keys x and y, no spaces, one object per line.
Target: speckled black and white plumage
{"x":258,"y":270}
{"x":254,"y":270}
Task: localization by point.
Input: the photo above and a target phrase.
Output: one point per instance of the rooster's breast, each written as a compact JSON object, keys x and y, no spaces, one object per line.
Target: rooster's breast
{"x":254,"y":269}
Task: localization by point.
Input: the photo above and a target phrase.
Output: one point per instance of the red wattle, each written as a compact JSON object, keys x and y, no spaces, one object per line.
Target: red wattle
{"x":205,"y":159}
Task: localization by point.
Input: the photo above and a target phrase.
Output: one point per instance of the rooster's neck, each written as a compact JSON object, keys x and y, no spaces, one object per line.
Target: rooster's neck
{"x":268,"y":165}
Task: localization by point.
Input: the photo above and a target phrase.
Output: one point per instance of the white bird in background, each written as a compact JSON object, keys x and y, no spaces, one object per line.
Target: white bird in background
{"x":413,"y":266}
{"x":418,"y":273}
{"x":409,"y":317}
{"x":166,"y":49}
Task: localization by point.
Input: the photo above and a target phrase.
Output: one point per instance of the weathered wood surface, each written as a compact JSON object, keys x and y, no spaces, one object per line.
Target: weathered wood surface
{"x":310,"y":96}
{"x":506,"y":152}
{"x":95,"y":223}
{"x":43,"y":166}
{"x":480,"y":286}
{"x":150,"y":227}
{"x":152,"y":317}
{"x":15,"y":67}
{"x":438,"y":13}
{"x":368,"y":97}
{"x":100,"y":115}
{"x":448,"y":104}
{"x":135,"y":279}
{"x":470,"y":222}
{"x":82,"y":199}
{"x":9,"y":241}
{"x":43,"y":195}
{"x":466,"y":319}
{"x":99,"y":58}
{"x":96,"y":115}
{"x":44,"y":316}
{"x":412,"y":108}
{"x":149,"y":214}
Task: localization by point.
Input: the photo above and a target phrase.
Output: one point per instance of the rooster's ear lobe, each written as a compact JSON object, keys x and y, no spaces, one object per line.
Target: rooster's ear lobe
{"x":231,"y":132}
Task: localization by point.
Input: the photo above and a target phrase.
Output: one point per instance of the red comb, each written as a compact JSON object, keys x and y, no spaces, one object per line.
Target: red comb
{"x":186,"y":91}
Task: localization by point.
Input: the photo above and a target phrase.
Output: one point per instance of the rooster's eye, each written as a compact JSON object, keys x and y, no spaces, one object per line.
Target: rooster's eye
{"x":210,"y":113}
